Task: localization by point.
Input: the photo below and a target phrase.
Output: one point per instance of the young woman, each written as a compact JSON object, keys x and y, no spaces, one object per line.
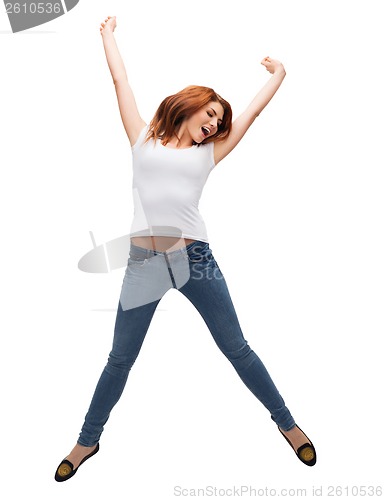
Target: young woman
{"x":191,"y":132}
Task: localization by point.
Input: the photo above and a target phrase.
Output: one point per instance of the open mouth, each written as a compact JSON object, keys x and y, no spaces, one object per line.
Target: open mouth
{"x":206,"y":131}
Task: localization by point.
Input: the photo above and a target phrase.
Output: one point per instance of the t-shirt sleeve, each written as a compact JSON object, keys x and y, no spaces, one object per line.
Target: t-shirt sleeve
{"x":141,"y":138}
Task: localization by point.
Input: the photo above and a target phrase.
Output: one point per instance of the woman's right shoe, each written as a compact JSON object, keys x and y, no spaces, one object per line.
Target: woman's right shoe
{"x":306,"y":452}
{"x":65,"y":470}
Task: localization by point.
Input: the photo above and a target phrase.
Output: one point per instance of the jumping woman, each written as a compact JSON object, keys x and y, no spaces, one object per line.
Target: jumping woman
{"x":172,"y":157}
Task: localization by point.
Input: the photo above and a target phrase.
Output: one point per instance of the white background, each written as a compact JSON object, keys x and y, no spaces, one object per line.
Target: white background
{"x":295,"y":220}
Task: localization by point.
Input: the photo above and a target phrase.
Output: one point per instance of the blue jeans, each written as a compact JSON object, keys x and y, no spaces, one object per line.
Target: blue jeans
{"x":195,"y":273}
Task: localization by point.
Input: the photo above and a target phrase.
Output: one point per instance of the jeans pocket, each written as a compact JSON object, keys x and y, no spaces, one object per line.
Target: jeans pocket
{"x":137,"y":261}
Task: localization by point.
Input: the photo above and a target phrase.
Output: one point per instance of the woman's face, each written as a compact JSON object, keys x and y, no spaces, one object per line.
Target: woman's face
{"x":205,"y":122}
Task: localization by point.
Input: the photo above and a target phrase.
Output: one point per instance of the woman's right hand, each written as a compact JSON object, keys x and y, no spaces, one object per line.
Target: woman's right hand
{"x":108,"y":25}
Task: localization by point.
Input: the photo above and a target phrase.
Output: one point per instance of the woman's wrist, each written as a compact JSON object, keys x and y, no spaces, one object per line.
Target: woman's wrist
{"x":107,"y":33}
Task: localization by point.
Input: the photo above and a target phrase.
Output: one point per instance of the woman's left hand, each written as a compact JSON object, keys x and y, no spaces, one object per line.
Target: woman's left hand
{"x":272,"y":65}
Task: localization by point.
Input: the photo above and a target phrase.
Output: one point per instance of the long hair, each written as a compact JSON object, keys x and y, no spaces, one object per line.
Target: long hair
{"x":176,"y":108}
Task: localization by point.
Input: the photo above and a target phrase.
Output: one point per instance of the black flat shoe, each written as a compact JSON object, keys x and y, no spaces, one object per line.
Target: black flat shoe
{"x":306,"y":452}
{"x":65,"y":470}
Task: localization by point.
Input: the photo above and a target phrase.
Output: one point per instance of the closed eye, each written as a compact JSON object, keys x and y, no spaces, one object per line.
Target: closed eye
{"x":219,"y":122}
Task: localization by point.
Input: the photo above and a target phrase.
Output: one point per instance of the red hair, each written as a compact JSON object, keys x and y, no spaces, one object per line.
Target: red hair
{"x":176,"y":108}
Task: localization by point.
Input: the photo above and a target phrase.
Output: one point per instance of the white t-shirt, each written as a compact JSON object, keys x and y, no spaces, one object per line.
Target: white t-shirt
{"x":167,"y":186}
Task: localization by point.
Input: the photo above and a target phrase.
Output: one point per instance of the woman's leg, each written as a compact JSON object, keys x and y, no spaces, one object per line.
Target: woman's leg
{"x":145,"y":281}
{"x":208,"y":292}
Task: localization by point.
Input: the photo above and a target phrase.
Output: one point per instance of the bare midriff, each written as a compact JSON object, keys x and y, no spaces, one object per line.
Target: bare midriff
{"x":161,"y":243}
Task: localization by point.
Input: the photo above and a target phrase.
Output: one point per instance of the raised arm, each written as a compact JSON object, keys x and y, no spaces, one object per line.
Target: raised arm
{"x":132,"y":121}
{"x":245,"y":120}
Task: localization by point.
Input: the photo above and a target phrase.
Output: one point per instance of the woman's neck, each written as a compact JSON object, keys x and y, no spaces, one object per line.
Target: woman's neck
{"x":181,"y":139}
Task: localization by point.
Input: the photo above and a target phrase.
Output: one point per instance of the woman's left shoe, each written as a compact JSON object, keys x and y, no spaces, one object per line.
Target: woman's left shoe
{"x":65,"y":470}
{"x":306,"y":452}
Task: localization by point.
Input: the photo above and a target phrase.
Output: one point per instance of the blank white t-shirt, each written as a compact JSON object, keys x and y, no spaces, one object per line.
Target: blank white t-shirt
{"x":167,"y":186}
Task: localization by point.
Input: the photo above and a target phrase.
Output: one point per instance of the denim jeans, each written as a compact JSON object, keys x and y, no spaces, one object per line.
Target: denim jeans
{"x":193,"y":271}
